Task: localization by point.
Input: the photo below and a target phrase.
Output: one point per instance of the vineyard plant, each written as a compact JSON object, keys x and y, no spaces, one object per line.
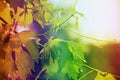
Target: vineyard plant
{"x":35,"y":43}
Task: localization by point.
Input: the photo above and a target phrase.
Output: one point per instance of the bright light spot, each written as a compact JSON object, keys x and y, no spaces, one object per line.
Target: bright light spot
{"x":101,"y":19}
{"x":21,"y":28}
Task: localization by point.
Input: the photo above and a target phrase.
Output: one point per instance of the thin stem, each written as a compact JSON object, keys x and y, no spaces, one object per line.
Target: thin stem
{"x":67,"y":19}
{"x":85,"y":74}
{"x":84,"y":36}
{"x":36,"y":78}
{"x":75,"y":3}
{"x":57,"y":26}
{"x":96,"y":70}
{"x":29,"y":8}
{"x":98,"y":40}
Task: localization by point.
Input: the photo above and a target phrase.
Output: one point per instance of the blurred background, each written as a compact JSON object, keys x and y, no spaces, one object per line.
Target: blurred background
{"x":101,"y":17}
{"x":101,"y":22}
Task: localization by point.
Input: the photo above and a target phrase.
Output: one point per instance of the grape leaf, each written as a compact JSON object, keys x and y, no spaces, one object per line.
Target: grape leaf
{"x":71,"y":69}
{"x":42,"y":12}
{"x":50,"y":69}
{"x":25,"y":35}
{"x":104,"y":77}
{"x":16,"y":3}
{"x":23,"y":18}
{"x":19,"y":61}
{"x":5,"y":17}
{"x":33,"y":49}
{"x":64,"y":53}
{"x":48,"y":51}
{"x":18,"y":12}
{"x":30,"y":2}
{"x":24,"y":64}
{"x":2,"y":5}
{"x":69,"y":60}
{"x":76,"y":49}
{"x":2,"y":53}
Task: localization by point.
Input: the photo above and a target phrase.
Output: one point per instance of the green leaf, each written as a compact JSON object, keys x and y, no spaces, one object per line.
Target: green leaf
{"x":54,"y":53}
{"x":67,"y":56}
{"x":71,"y":69}
{"x":76,"y":50}
{"x":52,"y":68}
{"x":46,"y":57}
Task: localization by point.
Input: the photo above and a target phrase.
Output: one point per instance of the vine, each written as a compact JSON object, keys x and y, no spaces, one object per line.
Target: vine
{"x":50,"y":57}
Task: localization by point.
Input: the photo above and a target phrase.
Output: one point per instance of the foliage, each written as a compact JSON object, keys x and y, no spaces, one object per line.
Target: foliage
{"x":104,"y":77}
{"x":28,"y":54}
{"x":61,"y":55}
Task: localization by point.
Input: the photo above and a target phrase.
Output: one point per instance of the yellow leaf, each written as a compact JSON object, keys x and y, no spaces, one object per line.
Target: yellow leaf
{"x":23,"y":19}
{"x":5,"y":15}
{"x":33,"y":49}
{"x":109,"y":77}
{"x":26,"y":35}
{"x":104,"y":77}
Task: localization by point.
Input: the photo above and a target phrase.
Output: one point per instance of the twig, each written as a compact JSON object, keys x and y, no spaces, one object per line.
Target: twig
{"x":84,"y":36}
{"x":75,"y":3}
{"x":36,"y":78}
{"x":102,"y":72}
{"x":85,"y":74}
{"x":57,"y":26}
{"x":96,"y":70}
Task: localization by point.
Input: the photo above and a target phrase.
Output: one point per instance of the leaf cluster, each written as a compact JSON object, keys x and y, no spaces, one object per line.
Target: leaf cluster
{"x":65,"y":57}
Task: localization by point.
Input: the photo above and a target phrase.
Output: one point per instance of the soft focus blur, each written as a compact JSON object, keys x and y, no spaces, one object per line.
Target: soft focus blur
{"x":101,"y":21}
{"x":101,"y":17}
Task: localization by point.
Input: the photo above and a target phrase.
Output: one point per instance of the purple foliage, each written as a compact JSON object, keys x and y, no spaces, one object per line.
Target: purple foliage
{"x":30,"y":77}
{"x":21,"y":3}
{"x":37,"y":68}
{"x":25,"y":49}
{"x":37,"y":28}
{"x":13,"y":55}
{"x":16,"y":3}
{"x":15,"y":67}
{"x":35,"y":72}
{"x":43,"y":76}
